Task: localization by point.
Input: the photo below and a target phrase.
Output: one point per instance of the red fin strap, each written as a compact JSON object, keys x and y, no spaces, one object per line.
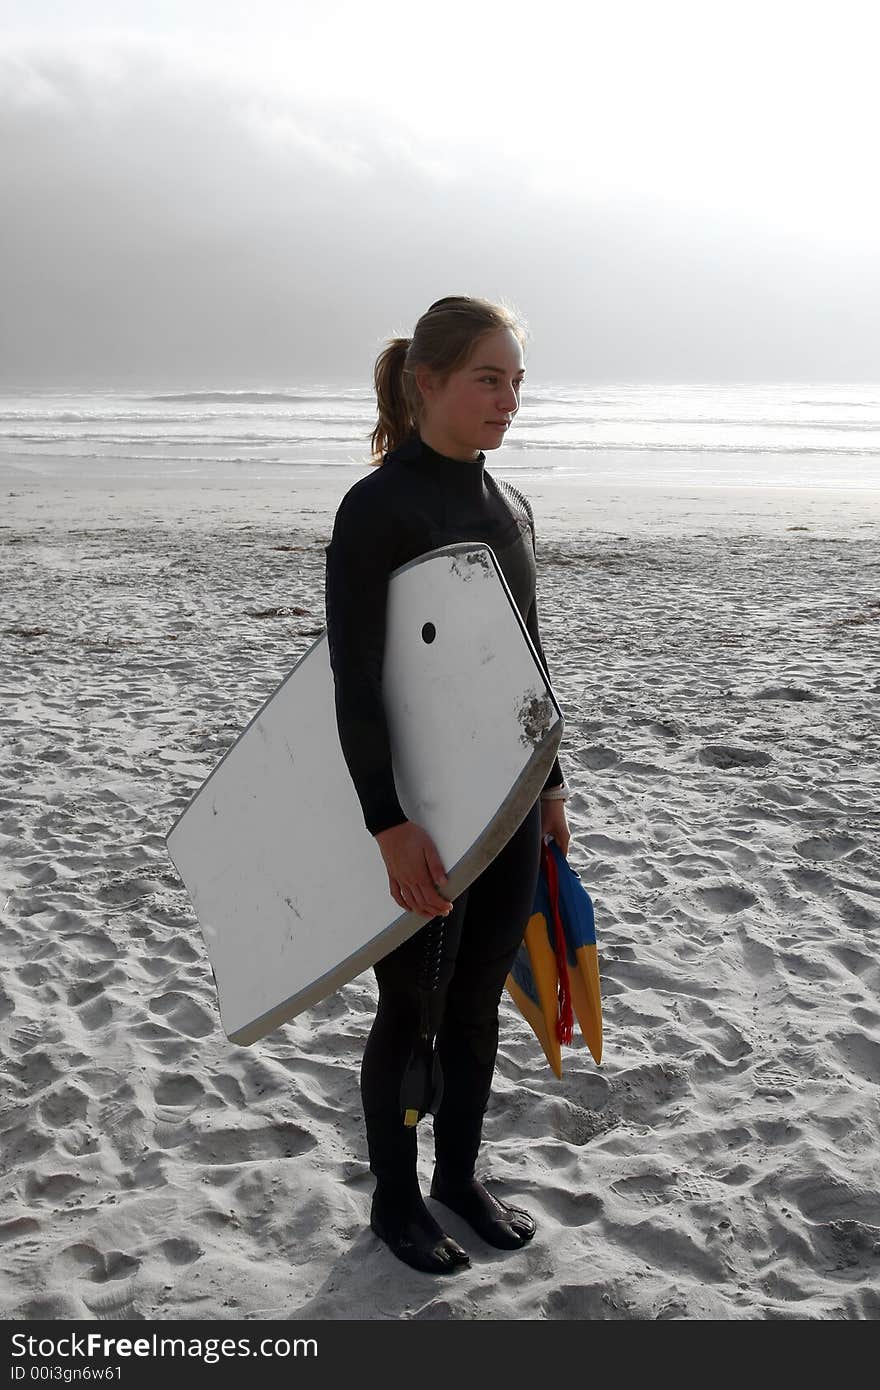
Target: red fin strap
{"x":565,"y":1017}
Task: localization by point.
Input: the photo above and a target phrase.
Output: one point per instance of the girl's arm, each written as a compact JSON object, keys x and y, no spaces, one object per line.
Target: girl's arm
{"x":359,"y":561}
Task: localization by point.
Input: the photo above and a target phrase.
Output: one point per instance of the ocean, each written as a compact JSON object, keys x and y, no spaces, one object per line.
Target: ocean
{"x":770,"y":435}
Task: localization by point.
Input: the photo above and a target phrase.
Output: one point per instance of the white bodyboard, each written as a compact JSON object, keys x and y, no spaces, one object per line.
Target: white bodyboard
{"x":289,"y":887}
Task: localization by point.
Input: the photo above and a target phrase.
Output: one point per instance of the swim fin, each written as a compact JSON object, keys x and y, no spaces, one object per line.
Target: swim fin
{"x":534,"y":982}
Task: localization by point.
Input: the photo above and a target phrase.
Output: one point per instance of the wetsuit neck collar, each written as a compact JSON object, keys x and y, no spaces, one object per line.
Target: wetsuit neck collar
{"x":457,"y":473}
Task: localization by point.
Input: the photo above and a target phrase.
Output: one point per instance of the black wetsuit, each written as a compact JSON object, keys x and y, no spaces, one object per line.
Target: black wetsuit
{"x":416,"y":501}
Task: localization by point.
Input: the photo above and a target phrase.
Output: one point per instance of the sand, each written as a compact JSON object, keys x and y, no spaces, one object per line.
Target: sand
{"x":715,"y":653}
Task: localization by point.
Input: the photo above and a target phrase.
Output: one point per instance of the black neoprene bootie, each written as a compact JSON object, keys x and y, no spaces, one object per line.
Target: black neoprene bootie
{"x":411,"y":1233}
{"x":501,"y":1225}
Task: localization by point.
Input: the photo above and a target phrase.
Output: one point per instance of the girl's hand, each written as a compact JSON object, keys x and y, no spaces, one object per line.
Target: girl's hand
{"x":553,"y":822}
{"x":416,"y":877}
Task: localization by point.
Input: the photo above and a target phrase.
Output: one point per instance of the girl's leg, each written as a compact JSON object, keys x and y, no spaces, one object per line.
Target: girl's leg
{"x":399,"y":1215}
{"x":498,"y":908}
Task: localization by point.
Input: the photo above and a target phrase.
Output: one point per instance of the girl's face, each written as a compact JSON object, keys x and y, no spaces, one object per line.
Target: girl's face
{"x":478,"y":402}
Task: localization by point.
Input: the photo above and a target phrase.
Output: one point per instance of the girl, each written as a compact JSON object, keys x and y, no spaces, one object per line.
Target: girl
{"x":443,"y":397}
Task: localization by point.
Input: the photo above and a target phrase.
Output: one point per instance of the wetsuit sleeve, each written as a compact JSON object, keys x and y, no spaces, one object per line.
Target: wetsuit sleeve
{"x":359,"y":561}
{"x":554,"y":776}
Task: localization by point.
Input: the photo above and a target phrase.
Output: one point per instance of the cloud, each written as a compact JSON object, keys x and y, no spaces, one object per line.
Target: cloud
{"x":168,"y":214}
{"x":171,"y":219}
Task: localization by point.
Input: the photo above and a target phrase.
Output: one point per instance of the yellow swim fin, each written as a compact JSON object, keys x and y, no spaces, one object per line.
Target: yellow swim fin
{"x":541,"y":1016}
{"x":586,"y":998}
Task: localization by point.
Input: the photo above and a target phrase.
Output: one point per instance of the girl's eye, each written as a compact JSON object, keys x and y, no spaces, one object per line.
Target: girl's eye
{"x":493,"y":379}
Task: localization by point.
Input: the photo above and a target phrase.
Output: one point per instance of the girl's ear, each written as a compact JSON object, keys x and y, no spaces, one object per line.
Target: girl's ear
{"x":425,"y":381}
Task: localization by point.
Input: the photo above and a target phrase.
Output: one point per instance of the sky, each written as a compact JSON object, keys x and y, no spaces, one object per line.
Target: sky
{"x":219,"y":194}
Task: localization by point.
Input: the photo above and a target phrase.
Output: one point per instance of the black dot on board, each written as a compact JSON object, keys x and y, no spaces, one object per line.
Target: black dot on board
{"x":429,"y":632}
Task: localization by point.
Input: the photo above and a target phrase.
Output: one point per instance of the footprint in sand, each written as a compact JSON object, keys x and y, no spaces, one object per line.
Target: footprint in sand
{"x":758,"y":957}
{"x":18,"y":1227}
{"x":175,"y":1090}
{"x":845,"y":1245}
{"x":826,"y":846}
{"x":84,"y":1261}
{"x":179,"y":1250}
{"x":817,"y":881}
{"x":230,"y":1089}
{"x":585,"y":1302}
{"x":785,"y":692}
{"x":577,"y":1125}
{"x":64,"y":1107}
{"x":50,"y":1307}
{"x":641,"y":1091}
{"x":776,"y":1082}
{"x":665,"y":728}
{"x":570,"y":1207}
{"x":82,"y":991}
{"x":598,"y":756}
{"x":649,"y":1189}
{"x":727,"y":755}
{"x":95,"y":1014}
{"x":32,"y":974}
{"x":822,"y":1196}
{"x":224,"y":1147}
{"x":51,"y":1187}
{"x":726,"y":898}
{"x":184,"y":1014}
{"x":38,"y":1070}
{"x":124,"y":890}
{"x":859,"y":1054}
{"x":182,"y":952}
